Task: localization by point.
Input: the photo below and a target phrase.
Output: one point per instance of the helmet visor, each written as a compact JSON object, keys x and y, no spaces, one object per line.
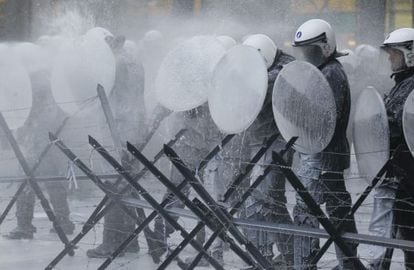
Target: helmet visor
{"x":396,"y":58}
{"x":311,"y":53}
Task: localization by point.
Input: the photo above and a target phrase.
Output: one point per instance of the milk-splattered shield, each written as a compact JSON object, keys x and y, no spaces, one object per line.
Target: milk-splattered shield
{"x":238,"y":90}
{"x":408,"y":122}
{"x":79,"y":67}
{"x":15,"y":89}
{"x":183,"y":79}
{"x":370,"y":133}
{"x":304,"y":106}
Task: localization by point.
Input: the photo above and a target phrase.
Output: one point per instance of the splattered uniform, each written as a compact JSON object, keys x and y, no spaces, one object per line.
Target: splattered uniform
{"x":44,"y":116}
{"x":268,"y":201}
{"x":393,"y":199}
{"x":127,"y":105}
{"x":322,"y":173}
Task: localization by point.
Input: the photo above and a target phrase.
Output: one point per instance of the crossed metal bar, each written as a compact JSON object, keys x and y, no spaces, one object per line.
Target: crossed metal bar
{"x":268,"y":143}
{"x":221,"y":214}
{"x":94,"y":219}
{"x":316,"y":210}
{"x":35,"y":187}
{"x":114,"y":197}
{"x":142,"y":191}
{"x":233,"y":187}
{"x":357,"y":204}
{"x":289,"y":229}
{"x":152,"y":240}
{"x":105,"y":205}
{"x":205,"y":216}
{"x":32,"y":172}
{"x":165,"y":202}
{"x":99,"y":212}
{"x":242,"y":200}
{"x":237,"y":181}
{"x":227,"y":195}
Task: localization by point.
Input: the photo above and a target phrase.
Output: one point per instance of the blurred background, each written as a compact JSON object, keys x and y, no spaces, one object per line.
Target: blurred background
{"x":356,"y":21}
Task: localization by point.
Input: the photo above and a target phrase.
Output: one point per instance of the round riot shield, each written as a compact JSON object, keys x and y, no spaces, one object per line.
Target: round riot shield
{"x":183,"y":79}
{"x":239,"y":86}
{"x":304,"y":107}
{"x":15,"y":89}
{"x":79,"y":67}
{"x":32,"y":56}
{"x":408,"y":122}
{"x":370,"y":133}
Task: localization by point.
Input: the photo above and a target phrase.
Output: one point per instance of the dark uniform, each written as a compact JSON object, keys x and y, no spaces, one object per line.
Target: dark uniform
{"x":268,"y":201}
{"x":44,"y":116}
{"x":393,"y":200}
{"x":200,"y":137}
{"x":127,"y":105}
{"x":322,"y":173}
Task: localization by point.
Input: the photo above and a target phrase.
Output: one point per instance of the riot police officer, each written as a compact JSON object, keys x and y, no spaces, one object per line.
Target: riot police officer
{"x":393,"y":199}
{"x":322,"y":173}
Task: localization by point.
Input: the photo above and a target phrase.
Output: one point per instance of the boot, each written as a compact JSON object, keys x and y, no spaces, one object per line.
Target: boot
{"x":117,"y":227}
{"x":169,"y":229}
{"x":110,"y":242}
{"x":102,"y":251}
{"x":24,"y":214}
{"x":67,"y":226}
{"x":21,"y":232}
{"x":57,"y":192}
{"x":108,"y":246}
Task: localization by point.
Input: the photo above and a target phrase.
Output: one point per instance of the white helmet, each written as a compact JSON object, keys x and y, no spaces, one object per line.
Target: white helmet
{"x":264,"y":45}
{"x":366,"y":51}
{"x":153,"y":36}
{"x":316,"y":32}
{"x":99,"y":32}
{"x":227,"y":41}
{"x":131,"y":48}
{"x":402,"y":40}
